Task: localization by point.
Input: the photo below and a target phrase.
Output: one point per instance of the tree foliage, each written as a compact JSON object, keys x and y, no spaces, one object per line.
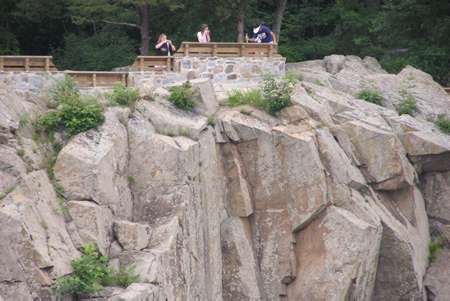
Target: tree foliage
{"x":96,"y":34}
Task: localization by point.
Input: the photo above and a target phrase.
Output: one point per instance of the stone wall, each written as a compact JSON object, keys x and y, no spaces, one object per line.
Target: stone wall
{"x":156,"y":78}
{"x":233,"y":68}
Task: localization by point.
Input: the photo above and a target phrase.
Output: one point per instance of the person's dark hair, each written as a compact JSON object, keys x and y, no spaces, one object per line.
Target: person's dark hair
{"x":258,"y":22}
{"x":203,"y":27}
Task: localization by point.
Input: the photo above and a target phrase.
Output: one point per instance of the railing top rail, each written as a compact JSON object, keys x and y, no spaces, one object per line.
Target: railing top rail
{"x":26,"y":56}
{"x":153,"y":56}
{"x":96,"y":72}
{"x":262,"y":45}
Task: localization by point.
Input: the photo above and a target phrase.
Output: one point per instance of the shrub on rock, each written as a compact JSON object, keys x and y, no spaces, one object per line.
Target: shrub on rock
{"x":182,"y":97}
{"x":123,"y":95}
{"x":371,"y":96}
{"x":443,"y":123}
{"x":74,"y":113}
{"x":408,"y":105}
{"x":273,"y":96}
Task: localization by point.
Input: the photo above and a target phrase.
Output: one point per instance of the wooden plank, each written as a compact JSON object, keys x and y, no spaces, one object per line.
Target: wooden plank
{"x":47,"y":64}
{"x":94,"y":80}
{"x":14,"y":62}
{"x":1,"y":63}
{"x":141,"y":64}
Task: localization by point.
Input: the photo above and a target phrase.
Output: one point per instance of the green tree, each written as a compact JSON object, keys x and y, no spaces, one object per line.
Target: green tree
{"x":415,"y":32}
{"x":104,"y":50}
{"x":128,"y":13}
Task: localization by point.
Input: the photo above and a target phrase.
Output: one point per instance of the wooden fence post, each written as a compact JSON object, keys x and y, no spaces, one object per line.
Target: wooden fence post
{"x":94,"y":79}
{"x":27,"y":64}
{"x":2,"y":63}
{"x":269,"y":54}
{"x":241,"y":50}
{"x":214,"y":51}
{"x":141,"y":64}
{"x":186,"y":49}
{"x":168,"y":64}
{"x":47,"y":64}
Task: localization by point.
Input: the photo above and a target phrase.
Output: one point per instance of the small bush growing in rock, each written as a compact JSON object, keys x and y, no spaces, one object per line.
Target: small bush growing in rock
{"x":274,"y":94}
{"x":131,"y":180}
{"x":253,"y":97}
{"x":20,"y":153}
{"x":24,"y":119}
{"x":277,"y":93}
{"x":74,"y":113}
{"x":91,"y":272}
{"x":65,"y":90}
{"x":211,"y":121}
{"x":371,"y":96}
{"x":436,"y":244}
{"x":125,"y":276}
{"x":185,"y":132}
{"x":49,"y":122}
{"x":443,"y":123}
{"x":182,"y":97}
{"x":123,"y":96}
{"x":82,"y":115}
{"x":408,"y":105}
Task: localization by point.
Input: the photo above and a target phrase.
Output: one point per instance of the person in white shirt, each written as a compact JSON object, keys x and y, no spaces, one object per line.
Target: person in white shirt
{"x":204,"y":35}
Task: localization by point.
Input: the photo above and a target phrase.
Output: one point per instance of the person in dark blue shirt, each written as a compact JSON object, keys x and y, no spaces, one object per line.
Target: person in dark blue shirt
{"x":262,"y":34}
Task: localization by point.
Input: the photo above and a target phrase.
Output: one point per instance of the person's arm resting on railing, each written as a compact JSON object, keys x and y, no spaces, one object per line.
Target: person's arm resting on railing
{"x":274,"y":38}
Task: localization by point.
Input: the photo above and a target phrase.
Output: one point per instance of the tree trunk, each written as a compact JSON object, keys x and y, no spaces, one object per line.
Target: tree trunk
{"x":281,"y":7}
{"x":144,"y":28}
{"x":241,"y":20}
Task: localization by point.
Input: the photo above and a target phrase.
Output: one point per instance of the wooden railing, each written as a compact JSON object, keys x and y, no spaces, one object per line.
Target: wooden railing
{"x":227,"y":49}
{"x":26,"y":63}
{"x":152,"y":63}
{"x":98,"y":78}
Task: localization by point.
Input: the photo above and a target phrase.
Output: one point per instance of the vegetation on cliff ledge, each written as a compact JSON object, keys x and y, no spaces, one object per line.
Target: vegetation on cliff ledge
{"x":91,"y":273}
{"x":273,"y":95}
{"x":73,"y":114}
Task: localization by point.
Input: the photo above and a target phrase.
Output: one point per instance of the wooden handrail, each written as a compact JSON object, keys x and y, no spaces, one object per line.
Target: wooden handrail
{"x":226,"y":49}
{"x":98,"y":78}
{"x":150,"y":63}
{"x":26,"y":56}
{"x":27,"y":63}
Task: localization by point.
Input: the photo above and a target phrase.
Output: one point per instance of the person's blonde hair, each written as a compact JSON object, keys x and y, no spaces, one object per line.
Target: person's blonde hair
{"x":161,"y":37}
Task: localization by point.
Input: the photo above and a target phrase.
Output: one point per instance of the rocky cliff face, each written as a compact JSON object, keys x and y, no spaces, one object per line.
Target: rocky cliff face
{"x":333,"y":199}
